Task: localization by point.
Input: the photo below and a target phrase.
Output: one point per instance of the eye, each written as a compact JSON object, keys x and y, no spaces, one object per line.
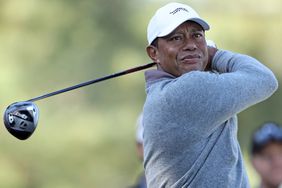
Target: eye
{"x":198,"y":35}
{"x":175,"y":38}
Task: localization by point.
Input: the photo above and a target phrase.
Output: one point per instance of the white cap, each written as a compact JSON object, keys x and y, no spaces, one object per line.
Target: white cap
{"x":139,"y":129}
{"x":169,"y":17}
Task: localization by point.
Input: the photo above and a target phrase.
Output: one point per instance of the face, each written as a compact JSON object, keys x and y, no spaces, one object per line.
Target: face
{"x":181,"y":51}
{"x":268,"y":164}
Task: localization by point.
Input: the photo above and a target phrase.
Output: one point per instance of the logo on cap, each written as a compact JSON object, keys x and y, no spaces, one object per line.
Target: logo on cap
{"x":177,"y":10}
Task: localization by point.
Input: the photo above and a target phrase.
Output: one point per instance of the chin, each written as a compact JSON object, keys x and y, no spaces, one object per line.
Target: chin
{"x":194,"y":69}
{"x":186,"y":71}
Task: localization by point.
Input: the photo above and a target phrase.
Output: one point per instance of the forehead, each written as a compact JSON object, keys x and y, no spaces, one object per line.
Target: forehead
{"x":188,"y":26}
{"x":273,"y":146}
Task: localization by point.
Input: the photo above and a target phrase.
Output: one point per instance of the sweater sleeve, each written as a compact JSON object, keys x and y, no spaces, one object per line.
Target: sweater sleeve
{"x":241,"y":82}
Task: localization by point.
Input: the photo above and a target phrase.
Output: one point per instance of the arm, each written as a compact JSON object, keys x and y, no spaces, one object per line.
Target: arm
{"x":214,"y":98}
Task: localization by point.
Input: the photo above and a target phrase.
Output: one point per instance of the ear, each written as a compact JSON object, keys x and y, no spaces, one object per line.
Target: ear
{"x":152,"y":52}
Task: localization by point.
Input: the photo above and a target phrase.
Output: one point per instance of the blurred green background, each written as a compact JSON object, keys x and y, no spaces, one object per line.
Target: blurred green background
{"x":86,"y":138}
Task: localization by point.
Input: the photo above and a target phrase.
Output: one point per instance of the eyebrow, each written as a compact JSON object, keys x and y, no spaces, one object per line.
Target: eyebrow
{"x":179,"y":31}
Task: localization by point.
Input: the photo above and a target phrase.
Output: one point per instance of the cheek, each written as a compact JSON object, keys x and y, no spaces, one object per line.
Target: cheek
{"x":261,"y":166}
{"x":169,"y":50}
{"x":167,"y":55}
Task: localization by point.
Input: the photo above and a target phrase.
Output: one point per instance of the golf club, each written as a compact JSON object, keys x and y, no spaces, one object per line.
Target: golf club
{"x":21,"y":118}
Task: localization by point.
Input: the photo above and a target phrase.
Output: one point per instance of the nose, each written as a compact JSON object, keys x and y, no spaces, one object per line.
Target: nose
{"x":189,"y":44}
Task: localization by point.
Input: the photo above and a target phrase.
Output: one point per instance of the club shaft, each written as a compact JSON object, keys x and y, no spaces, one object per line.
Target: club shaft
{"x":128,"y":71}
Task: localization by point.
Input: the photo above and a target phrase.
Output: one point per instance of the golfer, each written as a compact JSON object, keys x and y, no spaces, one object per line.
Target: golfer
{"x":193,"y":97}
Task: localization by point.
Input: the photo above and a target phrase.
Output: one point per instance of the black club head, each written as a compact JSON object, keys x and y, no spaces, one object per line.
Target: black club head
{"x":21,"y":119}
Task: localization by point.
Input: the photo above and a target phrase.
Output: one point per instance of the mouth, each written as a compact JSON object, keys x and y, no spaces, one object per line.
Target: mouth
{"x":190,"y":59}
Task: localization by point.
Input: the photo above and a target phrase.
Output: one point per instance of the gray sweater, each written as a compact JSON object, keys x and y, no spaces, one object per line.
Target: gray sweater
{"x":190,"y":122}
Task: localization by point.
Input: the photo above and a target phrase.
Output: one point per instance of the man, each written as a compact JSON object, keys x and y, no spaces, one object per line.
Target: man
{"x":189,"y":117}
{"x":266,"y":154}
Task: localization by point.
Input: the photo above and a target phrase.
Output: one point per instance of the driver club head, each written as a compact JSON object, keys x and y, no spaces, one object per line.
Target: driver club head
{"x":21,"y":119}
